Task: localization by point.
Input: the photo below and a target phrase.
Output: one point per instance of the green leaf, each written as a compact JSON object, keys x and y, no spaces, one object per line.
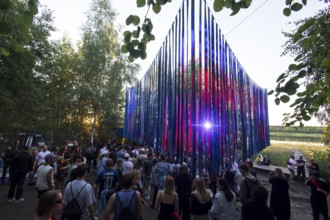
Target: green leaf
{"x":270,"y":92}
{"x":296,"y":6}
{"x":142,"y":46}
{"x":127,"y":36}
{"x":4,"y":4}
{"x":235,"y":8}
{"x":304,"y":2}
{"x":135,"y":54}
{"x":129,"y":20}
{"x":302,"y":74}
{"x":292,"y":67}
{"x":5,"y":52}
{"x":130,"y":47}
{"x":306,"y":117}
{"x":156,"y":8}
{"x":130,"y":59}
{"x":144,"y":40}
{"x":218,"y":5}
{"x":17,"y":47}
{"x":297,"y":58}
{"x":245,"y":3}
{"x":135,"y":34}
{"x":280,"y":77}
{"x":33,"y":7}
{"x":288,"y":2}
{"x":151,"y":37}
{"x":143,"y":55}
{"x":27,"y":18}
{"x":124,"y":49}
{"x":135,"y":42}
{"x":305,"y":43}
{"x":23,"y":30}
{"x":277,"y":101}
{"x":4,"y":28}
{"x":136,"y":20}
{"x":285,"y":98}
{"x":290,"y":90}
{"x":287,"y":12}
{"x":19,"y":19}
{"x":140,"y":3}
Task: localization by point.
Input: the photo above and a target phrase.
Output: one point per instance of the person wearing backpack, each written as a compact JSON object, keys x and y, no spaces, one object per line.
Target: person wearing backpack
{"x":83,"y":192}
{"x":125,"y":204}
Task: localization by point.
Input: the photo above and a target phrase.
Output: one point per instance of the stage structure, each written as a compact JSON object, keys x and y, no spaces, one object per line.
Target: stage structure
{"x":196,"y":100}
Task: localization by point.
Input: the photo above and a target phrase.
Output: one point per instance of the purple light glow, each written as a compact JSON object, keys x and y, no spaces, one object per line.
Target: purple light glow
{"x":207,"y":125}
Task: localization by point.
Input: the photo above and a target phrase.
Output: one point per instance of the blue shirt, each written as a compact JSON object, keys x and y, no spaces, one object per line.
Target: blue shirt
{"x":106,"y":179}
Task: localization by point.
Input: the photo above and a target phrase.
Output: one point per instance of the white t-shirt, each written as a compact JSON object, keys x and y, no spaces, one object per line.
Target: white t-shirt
{"x":292,"y":164}
{"x":41,"y":157}
{"x":85,"y":199}
{"x":127,"y":167}
{"x":42,"y":177}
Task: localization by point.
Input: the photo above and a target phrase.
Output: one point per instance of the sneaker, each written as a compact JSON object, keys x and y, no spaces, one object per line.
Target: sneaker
{"x":11,"y":200}
{"x":19,"y":200}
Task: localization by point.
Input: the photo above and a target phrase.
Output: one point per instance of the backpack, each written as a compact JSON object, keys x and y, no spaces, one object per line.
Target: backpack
{"x":125,"y":212}
{"x":72,"y":210}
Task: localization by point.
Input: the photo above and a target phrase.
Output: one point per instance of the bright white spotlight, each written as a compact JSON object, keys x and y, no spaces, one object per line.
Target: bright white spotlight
{"x":207,"y":125}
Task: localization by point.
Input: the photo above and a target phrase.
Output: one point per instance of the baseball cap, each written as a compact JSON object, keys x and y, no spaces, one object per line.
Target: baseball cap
{"x":50,"y":156}
{"x":126,"y":155}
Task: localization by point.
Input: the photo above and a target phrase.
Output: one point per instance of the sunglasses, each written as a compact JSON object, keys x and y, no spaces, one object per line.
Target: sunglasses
{"x":58,"y":201}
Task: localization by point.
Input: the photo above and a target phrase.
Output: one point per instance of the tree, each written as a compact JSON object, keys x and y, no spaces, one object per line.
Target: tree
{"x":103,"y":70}
{"x":12,"y":26}
{"x":309,"y":76}
{"x":21,"y":84}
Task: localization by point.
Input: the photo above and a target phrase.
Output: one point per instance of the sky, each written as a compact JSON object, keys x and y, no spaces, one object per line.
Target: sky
{"x":254,"y":35}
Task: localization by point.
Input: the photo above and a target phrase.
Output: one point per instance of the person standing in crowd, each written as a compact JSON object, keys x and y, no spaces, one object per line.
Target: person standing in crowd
{"x":201,"y":201}
{"x":312,"y":167}
{"x":21,"y":166}
{"x":119,"y":169}
{"x":40,"y":159}
{"x":318,"y":199}
{"x":88,"y":154}
{"x":86,"y":198}
{"x":183,"y":183}
{"x":61,"y":168}
{"x":101,"y":163}
{"x":292,"y":165}
{"x":279,"y":196}
{"x":247,"y":184}
{"x":256,"y":208}
{"x":147,"y":168}
{"x":127,"y":164}
{"x":125,"y":198}
{"x":7,"y":157}
{"x":75,"y":161}
{"x":45,"y":175}
{"x":107,"y":179}
{"x":49,"y":206}
{"x":161,"y":170}
{"x":167,"y":201}
{"x":301,"y":169}
{"x":224,"y":202}
{"x":231,"y":180}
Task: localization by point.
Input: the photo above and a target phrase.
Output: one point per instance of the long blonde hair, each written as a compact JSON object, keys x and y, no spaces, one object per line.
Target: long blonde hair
{"x":169,"y":187}
{"x":201,"y":189}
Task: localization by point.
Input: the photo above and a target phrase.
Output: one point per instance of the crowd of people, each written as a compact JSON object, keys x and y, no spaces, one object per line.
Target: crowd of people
{"x":130,"y":177}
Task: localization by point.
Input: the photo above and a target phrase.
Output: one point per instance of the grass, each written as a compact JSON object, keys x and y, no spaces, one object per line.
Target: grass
{"x":279,"y":153}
